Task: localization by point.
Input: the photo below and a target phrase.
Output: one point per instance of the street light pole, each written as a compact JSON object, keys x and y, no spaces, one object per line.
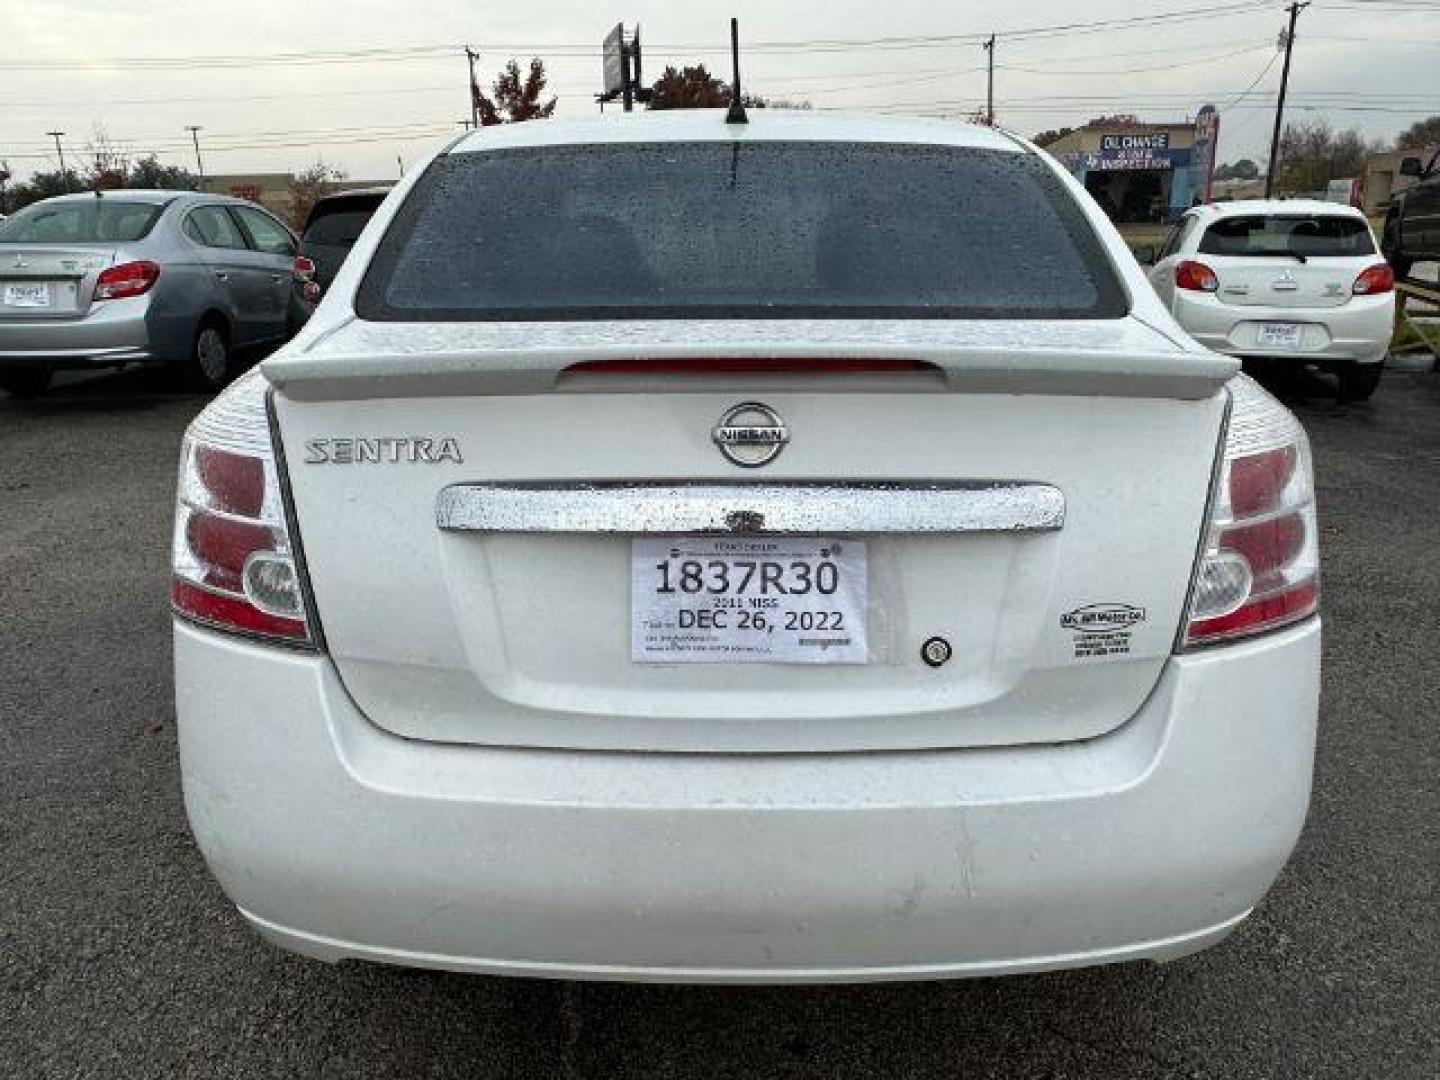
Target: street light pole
{"x":60,"y":152}
{"x":194,"y":130}
{"x":1295,"y":9}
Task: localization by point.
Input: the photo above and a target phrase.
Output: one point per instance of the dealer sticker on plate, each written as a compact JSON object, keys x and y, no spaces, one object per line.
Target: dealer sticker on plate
{"x":1279,"y":335}
{"x":785,"y":600}
{"x":37,"y":295}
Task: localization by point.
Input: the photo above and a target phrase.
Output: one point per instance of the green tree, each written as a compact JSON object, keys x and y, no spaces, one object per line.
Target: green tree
{"x":1045,"y":138}
{"x":44,"y":185}
{"x":515,"y":99}
{"x":147,"y":172}
{"x":1420,"y":135}
{"x":1244,"y":169}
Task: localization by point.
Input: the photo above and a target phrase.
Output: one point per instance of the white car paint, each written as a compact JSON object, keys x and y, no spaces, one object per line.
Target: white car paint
{"x":453,"y":762}
{"x":1336,"y":326}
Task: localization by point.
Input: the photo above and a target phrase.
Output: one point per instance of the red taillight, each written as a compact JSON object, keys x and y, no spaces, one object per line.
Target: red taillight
{"x":1195,"y":276}
{"x":233,"y":561}
{"x":304,"y":268}
{"x":225,"y":611}
{"x":751,"y":365}
{"x":1379,"y":278}
{"x":236,"y":481}
{"x":1260,"y":567}
{"x":126,"y":279}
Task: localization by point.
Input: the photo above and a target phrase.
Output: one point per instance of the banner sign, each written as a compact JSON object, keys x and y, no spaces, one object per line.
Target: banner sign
{"x":1202,"y":151}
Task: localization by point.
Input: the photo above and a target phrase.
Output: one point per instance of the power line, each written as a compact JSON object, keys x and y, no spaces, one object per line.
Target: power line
{"x":435,"y":52}
{"x":1113,"y":72}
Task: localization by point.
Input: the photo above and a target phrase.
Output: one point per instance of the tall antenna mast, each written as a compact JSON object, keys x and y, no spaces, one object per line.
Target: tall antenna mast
{"x":736,"y":115}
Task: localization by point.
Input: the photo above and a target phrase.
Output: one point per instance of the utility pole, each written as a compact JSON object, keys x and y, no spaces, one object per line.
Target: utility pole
{"x":471,"y":55}
{"x":990,"y":81}
{"x":194,"y":130}
{"x":1273,"y":168}
{"x":400,"y":162}
{"x":468,"y":125}
{"x":60,"y":152}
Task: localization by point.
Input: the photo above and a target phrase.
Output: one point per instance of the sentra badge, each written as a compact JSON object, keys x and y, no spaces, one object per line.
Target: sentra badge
{"x":412,"y":450}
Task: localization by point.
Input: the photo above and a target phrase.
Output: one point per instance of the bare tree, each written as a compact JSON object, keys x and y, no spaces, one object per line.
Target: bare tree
{"x":1420,"y":135}
{"x":1312,"y":153}
{"x":309,"y":187}
{"x":109,"y":161}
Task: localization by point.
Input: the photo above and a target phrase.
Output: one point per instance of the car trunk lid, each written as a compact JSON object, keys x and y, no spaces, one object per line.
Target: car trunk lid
{"x":1285,"y":282}
{"x":480,"y":507}
{"x":49,"y":282}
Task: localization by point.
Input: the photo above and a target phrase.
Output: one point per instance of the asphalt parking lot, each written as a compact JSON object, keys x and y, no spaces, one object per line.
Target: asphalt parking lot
{"x":119,"y":957}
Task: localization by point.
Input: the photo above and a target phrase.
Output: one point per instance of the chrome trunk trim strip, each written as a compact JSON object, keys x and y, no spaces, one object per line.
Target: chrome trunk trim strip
{"x":794,"y":509}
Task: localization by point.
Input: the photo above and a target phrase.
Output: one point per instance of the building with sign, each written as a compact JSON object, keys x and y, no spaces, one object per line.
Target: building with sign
{"x":1143,"y":173}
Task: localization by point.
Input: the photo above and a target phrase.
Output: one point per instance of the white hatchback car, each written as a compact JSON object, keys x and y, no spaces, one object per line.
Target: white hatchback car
{"x":1292,"y":281}
{"x":797,"y":551}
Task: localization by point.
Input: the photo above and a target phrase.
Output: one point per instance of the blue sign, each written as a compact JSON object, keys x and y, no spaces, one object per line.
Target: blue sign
{"x":1139,"y":151}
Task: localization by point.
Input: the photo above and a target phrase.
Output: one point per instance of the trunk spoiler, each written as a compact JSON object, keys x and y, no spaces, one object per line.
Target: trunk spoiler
{"x":327,"y":376}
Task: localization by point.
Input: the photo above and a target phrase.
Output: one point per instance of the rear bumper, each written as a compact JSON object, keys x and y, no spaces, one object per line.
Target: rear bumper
{"x":1358,"y":331}
{"x":338,"y":840}
{"x":113,"y":332}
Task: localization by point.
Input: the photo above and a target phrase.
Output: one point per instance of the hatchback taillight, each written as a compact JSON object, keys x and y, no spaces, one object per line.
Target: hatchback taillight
{"x":126,"y":279}
{"x":1260,"y":569}
{"x":1379,"y":278}
{"x":233,"y":561}
{"x":1195,"y":276}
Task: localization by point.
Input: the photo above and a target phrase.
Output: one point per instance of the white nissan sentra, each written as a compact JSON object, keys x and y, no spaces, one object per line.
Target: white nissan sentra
{"x":790,"y":551}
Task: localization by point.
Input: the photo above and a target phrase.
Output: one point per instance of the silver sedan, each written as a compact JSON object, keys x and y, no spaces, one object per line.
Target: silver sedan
{"x":115,"y":278}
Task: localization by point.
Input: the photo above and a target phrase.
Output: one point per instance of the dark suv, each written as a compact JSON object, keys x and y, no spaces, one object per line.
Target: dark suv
{"x":1412,"y":227}
{"x":331,"y":229}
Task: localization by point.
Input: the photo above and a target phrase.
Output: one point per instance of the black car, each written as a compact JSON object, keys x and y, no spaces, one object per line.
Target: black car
{"x":1412,"y":227}
{"x":331,"y":229}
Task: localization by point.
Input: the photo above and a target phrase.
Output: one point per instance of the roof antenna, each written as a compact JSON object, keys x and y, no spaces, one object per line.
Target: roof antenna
{"x":736,"y":115}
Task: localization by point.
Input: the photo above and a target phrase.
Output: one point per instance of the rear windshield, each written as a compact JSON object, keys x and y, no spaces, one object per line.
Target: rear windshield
{"x":1282,"y":235}
{"x":340,"y":227}
{"x":762,"y":230}
{"x":88,"y":221}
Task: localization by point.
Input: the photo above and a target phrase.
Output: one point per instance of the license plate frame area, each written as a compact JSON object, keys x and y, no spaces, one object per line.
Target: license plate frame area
{"x":748,"y":600}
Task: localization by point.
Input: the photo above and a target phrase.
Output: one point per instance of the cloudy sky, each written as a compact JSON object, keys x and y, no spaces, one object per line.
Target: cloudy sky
{"x":363,"y":85}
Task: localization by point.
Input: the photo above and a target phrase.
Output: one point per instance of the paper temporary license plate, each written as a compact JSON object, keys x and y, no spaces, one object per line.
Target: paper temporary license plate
{"x":737,"y":600}
{"x":36,"y":295}
{"x":1280,"y":335}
